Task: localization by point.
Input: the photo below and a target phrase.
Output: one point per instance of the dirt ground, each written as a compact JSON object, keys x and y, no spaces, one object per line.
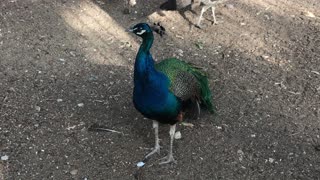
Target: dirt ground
{"x":65,"y":65}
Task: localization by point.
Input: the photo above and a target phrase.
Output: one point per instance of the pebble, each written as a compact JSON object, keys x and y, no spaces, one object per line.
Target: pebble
{"x":230,"y":6}
{"x":72,"y":53}
{"x":37,"y":108}
{"x":4,"y":158}
{"x":74,"y":172}
{"x":241,"y":154}
{"x":271,"y":160}
{"x":140,"y":164}
{"x":308,"y":14}
{"x":177,"y":135}
{"x":80,"y":105}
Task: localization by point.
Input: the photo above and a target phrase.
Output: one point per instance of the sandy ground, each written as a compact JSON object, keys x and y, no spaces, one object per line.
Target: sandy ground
{"x":65,"y":65}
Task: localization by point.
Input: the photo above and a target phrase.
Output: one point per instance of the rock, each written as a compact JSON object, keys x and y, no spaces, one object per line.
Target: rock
{"x":4,"y":158}
{"x":74,"y":172}
{"x":140,"y":164}
{"x":308,"y":14}
{"x":80,"y":105}
{"x":38,"y":108}
{"x":271,"y":160}
{"x":177,"y":135}
{"x":241,"y":154}
{"x":229,"y":6}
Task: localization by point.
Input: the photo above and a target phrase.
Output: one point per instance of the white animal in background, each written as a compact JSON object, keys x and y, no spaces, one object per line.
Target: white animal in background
{"x":206,"y":4}
{"x":128,"y":5}
{"x":182,"y":4}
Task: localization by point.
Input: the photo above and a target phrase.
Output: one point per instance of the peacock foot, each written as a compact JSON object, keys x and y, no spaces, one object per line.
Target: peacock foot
{"x":168,"y":159}
{"x":215,"y":22}
{"x":156,"y":149}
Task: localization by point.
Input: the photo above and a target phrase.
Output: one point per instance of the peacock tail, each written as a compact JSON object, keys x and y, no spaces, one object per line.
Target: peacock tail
{"x":187,"y":81}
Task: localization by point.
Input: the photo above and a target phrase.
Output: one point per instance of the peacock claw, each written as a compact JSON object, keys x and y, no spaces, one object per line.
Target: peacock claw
{"x":169,"y":159}
{"x":155,"y":150}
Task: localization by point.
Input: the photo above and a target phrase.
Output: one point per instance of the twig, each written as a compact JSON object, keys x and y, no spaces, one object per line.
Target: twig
{"x":96,"y":127}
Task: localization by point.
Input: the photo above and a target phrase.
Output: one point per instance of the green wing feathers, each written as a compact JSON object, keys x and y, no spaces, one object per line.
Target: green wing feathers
{"x":183,"y":76}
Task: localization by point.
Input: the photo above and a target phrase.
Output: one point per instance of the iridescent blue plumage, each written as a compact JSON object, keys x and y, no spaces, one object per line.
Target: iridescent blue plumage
{"x":162,"y":92}
{"x":151,"y":95}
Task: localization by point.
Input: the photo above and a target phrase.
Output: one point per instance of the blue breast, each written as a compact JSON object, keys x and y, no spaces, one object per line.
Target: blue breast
{"x":151,"y":95}
{"x":152,"y":98}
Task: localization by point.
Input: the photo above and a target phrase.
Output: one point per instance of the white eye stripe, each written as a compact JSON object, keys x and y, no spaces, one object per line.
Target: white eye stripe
{"x":141,"y":32}
{"x":135,"y":28}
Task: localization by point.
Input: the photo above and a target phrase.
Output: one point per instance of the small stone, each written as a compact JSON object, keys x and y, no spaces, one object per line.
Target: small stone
{"x":241,"y":154}
{"x":187,"y":124}
{"x":72,"y":53}
{"x":74,"y":172}
{"x":59,"y":100}
{"x":80,"y":105}
{"x":93,"y":77}
{"x":271,"y":160}
{"x":140,"y":164}
{"x":11,"y":89}
{"x":180,"y":51}
{"x":62,"y":60}
{"x":4,"y":158}
{"x":230,"y":6}
{"x":308,"y":14}
{"x":253,"y":135}
{"x":38,"y":108}
{"x":177,"y":135}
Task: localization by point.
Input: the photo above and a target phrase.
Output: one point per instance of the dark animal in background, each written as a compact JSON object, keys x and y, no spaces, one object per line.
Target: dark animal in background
{"x":164,"y":91}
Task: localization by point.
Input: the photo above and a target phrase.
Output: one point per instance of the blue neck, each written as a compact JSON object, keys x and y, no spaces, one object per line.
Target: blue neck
{"x":144,"y":64}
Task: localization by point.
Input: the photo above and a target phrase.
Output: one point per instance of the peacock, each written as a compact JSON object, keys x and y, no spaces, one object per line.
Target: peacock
{"x":165,"y":91}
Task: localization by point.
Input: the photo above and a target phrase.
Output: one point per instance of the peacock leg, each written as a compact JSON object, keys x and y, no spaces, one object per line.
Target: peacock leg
{"x":155,"y":125}
{"x":169,"y":157}
{"x":204,"y":9}
{"x":214,"y":15}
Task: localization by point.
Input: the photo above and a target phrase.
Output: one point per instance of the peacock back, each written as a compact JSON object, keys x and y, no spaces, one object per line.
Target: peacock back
{"x":187,"y":81}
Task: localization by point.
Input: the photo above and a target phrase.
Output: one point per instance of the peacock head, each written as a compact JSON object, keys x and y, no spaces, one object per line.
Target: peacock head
{"x":143,"y":29}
